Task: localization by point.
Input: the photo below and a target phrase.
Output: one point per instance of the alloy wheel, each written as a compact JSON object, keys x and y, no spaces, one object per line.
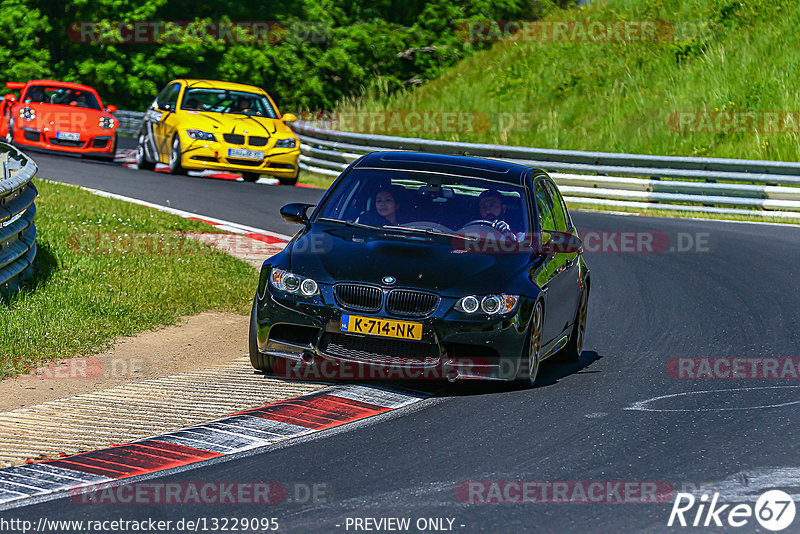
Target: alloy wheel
{"x":536,"y":343}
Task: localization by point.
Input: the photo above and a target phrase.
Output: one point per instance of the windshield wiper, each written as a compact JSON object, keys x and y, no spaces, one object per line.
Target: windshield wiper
{"x":430,"y":231}
{"x":349,"y":223}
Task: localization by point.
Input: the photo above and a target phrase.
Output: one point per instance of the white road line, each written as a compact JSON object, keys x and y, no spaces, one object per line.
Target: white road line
{"x":644,"y":405}
{"x":228,"y":225}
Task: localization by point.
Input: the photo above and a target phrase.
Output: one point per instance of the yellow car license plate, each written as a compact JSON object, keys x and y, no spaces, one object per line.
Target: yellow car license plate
{"x":381,"y":327}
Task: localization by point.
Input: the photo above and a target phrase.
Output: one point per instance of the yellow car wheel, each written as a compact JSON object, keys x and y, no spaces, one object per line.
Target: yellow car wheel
{"x":286,"y":180}
{"x":175,"y":155}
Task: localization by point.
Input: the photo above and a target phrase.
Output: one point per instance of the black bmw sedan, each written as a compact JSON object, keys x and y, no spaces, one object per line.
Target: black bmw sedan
{"x":424,"y":266}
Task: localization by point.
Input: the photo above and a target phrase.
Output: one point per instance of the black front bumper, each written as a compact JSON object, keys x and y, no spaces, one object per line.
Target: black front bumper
{"x":305,"y":337}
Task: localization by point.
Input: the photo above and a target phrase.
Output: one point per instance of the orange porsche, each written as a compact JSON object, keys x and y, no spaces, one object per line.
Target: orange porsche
{"x":62,"y":116}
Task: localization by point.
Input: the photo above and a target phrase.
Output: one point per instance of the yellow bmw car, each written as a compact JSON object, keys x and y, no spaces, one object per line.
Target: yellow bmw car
{"x":206,"y":124}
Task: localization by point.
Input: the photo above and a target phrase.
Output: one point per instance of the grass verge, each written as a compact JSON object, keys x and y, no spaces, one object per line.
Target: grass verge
{"x":655,"y":212}
{"x":82,"y":298}
{"x":322,"y":181}
{"x":725,"y":59}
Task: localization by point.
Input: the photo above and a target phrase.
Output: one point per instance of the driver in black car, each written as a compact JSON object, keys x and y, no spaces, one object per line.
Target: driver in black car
{"x":492,"y":208}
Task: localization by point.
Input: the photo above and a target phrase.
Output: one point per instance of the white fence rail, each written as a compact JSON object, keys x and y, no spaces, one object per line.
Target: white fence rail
{"x":770,"y":189}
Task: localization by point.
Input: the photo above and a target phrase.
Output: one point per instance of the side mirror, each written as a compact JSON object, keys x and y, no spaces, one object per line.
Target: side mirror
{"x":545,"y":243}
{"x":164,"y":107}
{"x":289,"y":117}
{"x":10,"y":98}
{"x":111,"y":108}
{"x":560,"y":242}
{"x":296,"y":212}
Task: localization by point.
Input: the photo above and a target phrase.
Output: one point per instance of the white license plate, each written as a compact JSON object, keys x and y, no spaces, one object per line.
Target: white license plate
{"x":67,"y":136}
{"x":245,"y":153}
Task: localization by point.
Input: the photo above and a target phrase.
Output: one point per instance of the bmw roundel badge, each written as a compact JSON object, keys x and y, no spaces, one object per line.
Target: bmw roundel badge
{"x":389,"y":280}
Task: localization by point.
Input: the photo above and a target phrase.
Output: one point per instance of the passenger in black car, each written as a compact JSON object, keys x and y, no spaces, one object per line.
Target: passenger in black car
{"x":385,"y":210}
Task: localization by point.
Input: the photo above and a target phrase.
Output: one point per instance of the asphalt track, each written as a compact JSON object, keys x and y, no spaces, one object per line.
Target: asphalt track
{"x":736,"y":297}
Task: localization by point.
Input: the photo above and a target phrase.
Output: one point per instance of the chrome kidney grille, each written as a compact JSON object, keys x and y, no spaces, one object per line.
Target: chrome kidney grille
{"x":410,"y":303}
{"x":359,"y":297}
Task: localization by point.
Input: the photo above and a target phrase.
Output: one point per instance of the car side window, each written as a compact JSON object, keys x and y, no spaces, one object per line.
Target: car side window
{"x":544,"y":207}
{"x":559,"y":211}
{"x":168,"y":98}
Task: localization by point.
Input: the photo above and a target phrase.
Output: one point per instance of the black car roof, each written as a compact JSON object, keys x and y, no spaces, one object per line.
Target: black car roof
{"x":467,"y":166}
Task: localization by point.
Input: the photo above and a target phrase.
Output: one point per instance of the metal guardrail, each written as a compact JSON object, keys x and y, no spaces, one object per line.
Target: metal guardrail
{"x":770,"y":189}
{"x":17,"y":211}
{"x":129,"y":121}
{"x":712,"y":185}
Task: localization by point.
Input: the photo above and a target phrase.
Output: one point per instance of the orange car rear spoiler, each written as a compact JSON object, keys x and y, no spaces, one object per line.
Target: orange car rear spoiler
{"x":14,"y":85}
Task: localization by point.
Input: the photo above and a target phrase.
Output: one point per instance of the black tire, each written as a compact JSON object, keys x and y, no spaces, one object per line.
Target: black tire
{"x":572,"y":350}
{"x":113,"y":155}
{"x":250,"y":176}
{"x":141,"y":155}
{"x":9,"y":139}
{"x":175,"y":157}
{"x":289,"y":180}
{"x":530,"y":363}
{"x":260,"y":362}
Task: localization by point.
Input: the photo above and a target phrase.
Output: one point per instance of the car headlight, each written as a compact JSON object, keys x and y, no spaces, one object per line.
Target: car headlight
{"x":27,"y":114}
{"x":489,"y":304}
{"x":293,"y":283}
{"x":201,"y":135}
{"x":106,"y":123}
{"x":286,"y":143}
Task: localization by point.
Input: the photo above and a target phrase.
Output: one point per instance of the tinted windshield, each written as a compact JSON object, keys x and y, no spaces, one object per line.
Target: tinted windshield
{"x":425,"y":200}
{"x":63,"y":96}
{"x":222,"y":101}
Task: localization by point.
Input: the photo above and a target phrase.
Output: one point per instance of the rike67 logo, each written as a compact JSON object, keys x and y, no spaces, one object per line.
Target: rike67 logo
{"x":774,"y":510}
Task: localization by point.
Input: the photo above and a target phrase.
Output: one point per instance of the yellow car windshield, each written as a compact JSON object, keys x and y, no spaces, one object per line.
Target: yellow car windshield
{"x":224,"y":101}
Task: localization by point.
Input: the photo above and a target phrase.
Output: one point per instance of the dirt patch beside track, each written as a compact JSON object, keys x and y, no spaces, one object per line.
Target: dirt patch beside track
{"x":204,"y":340}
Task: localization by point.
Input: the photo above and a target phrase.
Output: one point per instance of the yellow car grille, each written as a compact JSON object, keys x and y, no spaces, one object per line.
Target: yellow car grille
{"x":239,"y":139}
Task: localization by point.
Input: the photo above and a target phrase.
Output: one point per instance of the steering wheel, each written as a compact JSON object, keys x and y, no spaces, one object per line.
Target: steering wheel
{"x":481,"y":222}
{"x":498,"y":225}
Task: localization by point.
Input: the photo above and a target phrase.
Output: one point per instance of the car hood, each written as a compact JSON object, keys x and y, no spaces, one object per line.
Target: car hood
{"x":229,"y":123}
{"x":331,"y":255}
